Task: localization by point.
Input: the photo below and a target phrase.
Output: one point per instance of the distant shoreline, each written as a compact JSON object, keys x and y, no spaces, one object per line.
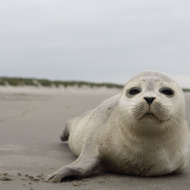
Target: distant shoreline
{"x":50,"y":83}
{"x":32,"y":82}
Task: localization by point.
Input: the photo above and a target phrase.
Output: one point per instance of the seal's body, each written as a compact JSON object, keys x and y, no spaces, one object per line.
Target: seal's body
{"x":141,"y":131}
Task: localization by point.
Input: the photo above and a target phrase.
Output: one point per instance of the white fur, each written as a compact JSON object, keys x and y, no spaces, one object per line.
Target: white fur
{"x":131,"y":142}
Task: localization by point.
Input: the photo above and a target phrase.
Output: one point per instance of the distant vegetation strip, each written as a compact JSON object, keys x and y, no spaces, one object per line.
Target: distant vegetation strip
{"x":186,"y":89}
{"x":48,"y":83}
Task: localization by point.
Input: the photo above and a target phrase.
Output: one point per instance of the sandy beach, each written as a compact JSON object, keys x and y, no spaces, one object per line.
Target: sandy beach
{"x":31,"y":121}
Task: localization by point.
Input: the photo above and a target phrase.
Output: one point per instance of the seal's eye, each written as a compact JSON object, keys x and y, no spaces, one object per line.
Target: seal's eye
{"x":167,"y":91}
{"x":134,"y":91}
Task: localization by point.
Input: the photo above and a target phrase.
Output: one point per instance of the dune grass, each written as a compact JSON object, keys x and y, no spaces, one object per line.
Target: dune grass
{"x":186,"y":90}
{"x":48,"y":83}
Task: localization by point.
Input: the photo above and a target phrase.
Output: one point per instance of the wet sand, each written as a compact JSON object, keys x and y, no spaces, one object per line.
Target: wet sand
{"x":30,"y":126}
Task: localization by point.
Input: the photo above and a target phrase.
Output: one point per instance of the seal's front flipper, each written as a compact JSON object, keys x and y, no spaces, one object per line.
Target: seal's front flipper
{"x":82,"y":167}
{"x":63,"y":173}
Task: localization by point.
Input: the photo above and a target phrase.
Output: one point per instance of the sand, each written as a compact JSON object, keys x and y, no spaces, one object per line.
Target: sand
{"x":31,"y":121}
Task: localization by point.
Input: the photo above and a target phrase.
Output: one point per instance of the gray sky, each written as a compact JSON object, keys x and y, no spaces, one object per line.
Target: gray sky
{"x":94,"y":40}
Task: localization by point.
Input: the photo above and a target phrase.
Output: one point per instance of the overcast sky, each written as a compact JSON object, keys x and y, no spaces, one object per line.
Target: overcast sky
{"x":94,"y":40}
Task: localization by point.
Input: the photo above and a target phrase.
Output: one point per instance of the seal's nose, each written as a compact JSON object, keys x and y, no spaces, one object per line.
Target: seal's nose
{"x":149,"y":100}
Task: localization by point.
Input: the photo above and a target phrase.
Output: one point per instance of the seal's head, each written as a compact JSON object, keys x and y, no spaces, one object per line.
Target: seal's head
{"x":151,"y":100}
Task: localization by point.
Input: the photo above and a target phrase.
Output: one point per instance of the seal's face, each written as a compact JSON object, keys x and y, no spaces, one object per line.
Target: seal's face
{"x":152,"y":97}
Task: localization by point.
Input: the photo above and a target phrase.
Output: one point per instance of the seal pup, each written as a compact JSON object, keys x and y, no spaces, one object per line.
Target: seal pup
{"x":141,"y":131}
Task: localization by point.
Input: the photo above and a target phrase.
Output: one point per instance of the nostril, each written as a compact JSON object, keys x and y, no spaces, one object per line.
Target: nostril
{"x":149,"y":100}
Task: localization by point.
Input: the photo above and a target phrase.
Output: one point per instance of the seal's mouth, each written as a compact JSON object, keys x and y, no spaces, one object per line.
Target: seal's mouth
{"x":152,"y":117}
{"x":149,"y":115}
